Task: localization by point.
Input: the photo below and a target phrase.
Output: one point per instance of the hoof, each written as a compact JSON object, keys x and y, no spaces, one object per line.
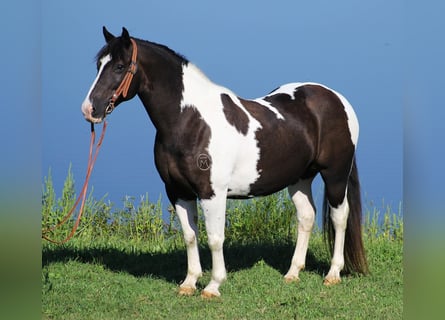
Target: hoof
{"x":186,"y":291}
{"x":291,"y":279}
{"x":331,"y":281}
{"x":210,"y":295}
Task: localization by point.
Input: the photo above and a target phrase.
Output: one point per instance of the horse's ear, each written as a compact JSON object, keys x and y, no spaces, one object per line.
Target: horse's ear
{"x":125,"y":35}
{"x":108,"y":36}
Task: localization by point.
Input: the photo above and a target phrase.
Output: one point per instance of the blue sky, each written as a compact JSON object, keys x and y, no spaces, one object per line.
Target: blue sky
{"x":352,"y":47}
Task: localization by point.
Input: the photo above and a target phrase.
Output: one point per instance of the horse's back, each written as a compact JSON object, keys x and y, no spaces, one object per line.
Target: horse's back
{"x":301,"y":125}
{"x":296,"y":100}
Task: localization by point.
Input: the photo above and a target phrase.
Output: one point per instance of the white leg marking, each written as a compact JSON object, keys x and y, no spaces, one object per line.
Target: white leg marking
{"x":339,"y":218}
{"x":215,"y":214}
{"x":87,"y":107}
{"x":187,"y":211}
{"x":301,"y":195}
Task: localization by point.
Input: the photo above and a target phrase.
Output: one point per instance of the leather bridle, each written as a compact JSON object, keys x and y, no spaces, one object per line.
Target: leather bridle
{"x":126,"y":81}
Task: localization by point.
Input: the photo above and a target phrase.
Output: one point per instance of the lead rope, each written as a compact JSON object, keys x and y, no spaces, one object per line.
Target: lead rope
{"x":83,"y":193}
{"x":121,"y":90}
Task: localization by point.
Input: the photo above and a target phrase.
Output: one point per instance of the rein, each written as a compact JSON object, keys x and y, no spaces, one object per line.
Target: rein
{"x":126,"y":81}
{"x":83,"y":193}
{"x":121,"y":90}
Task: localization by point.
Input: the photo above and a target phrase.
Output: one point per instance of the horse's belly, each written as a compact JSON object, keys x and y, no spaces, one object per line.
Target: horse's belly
{"x":244,"y":174}
{"x":248,"y":181}
{"x":243,"y":191}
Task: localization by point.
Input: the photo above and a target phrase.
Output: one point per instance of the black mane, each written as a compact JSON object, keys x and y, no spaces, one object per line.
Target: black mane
{"x":164,"y":48}
{"x":114,"y":48}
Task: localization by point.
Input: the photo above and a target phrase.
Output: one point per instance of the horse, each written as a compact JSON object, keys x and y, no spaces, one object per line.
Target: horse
{"x":212,"y":145}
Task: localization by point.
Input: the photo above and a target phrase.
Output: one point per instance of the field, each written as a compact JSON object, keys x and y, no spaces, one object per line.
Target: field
{"x":127,"y":264}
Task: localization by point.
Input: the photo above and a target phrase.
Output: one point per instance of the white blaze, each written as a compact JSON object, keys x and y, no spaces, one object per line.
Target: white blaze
{"x":86,"y":105}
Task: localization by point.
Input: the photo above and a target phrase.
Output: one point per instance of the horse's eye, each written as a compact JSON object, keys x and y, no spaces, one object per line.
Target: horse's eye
{"x":119,"y":68}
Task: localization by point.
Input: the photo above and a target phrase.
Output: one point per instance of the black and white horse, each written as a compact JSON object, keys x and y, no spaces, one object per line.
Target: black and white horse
{"x":212,"y":145}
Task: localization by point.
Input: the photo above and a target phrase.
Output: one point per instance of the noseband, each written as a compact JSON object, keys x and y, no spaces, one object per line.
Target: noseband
{"x":126,"y":81}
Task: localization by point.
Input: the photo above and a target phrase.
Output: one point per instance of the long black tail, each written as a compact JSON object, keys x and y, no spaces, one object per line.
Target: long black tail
{"x":354,"y":252}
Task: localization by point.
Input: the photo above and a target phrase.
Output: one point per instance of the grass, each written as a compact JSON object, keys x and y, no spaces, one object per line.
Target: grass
{"x":127,"y":264}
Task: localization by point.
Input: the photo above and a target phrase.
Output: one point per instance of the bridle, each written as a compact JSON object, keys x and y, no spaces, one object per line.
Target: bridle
{"x":126,"y":81}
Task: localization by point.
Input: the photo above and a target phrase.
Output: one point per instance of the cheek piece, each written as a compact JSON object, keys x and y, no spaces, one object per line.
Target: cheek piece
{"x":126,"y":81}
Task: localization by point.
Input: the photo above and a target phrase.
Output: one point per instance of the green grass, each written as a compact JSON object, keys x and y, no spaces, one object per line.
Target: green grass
{"x":127,"y":264}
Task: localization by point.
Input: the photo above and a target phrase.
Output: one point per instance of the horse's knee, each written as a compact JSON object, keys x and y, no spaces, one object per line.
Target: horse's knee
{"x":306,"y":221}
{"x":190,"y":238}
{"x":305,"y":217}
{"x":215,"y":241}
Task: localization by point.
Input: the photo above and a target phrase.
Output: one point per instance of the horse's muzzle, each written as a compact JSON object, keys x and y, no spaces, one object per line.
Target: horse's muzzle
{"x":87,"y":110}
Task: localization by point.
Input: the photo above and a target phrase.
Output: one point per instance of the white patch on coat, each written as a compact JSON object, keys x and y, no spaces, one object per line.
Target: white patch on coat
{"x":269,"y":106}
{"x":352,"y":118}
{"x":87,"y":106}
{"x":288,"y":89}
{"x":234,"y":155}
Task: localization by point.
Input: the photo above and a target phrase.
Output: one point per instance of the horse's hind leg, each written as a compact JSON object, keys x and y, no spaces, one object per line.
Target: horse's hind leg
{"x":339,"y":216}
{"x":336,"y":195}
{"x":187,"y":214}
{"x":301,"y":195}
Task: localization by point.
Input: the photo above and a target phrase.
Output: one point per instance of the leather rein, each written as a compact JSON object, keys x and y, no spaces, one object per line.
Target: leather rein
{"x":121,"y":90}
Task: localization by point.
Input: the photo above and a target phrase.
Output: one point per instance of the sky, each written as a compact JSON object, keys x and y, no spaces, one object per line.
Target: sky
{"x":350,"y":46}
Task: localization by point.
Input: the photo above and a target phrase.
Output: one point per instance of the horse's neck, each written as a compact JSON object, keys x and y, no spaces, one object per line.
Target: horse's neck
{"x":198,"y":92}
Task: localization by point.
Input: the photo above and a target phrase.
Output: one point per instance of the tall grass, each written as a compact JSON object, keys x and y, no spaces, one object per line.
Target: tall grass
{"x":142,"y":222}
{"x":103,"y":223}
{"x":126,"y":262}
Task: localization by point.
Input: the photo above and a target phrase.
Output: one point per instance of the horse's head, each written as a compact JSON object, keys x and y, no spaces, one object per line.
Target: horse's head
{"x":116,"y":65}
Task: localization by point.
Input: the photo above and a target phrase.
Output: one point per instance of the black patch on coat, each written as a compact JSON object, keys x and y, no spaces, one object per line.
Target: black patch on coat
{"x":177,"y":157}
{"x":234,"y":115}
{"x":287,"y":146}
{"x":316,"y":139}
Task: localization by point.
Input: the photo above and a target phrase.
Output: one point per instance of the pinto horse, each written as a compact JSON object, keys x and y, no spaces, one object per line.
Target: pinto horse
{"x":212,"y":145}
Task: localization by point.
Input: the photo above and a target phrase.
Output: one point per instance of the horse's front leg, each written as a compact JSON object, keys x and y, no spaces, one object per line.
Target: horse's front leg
{"x":187,"y":214}
{"x":214,"y":214}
